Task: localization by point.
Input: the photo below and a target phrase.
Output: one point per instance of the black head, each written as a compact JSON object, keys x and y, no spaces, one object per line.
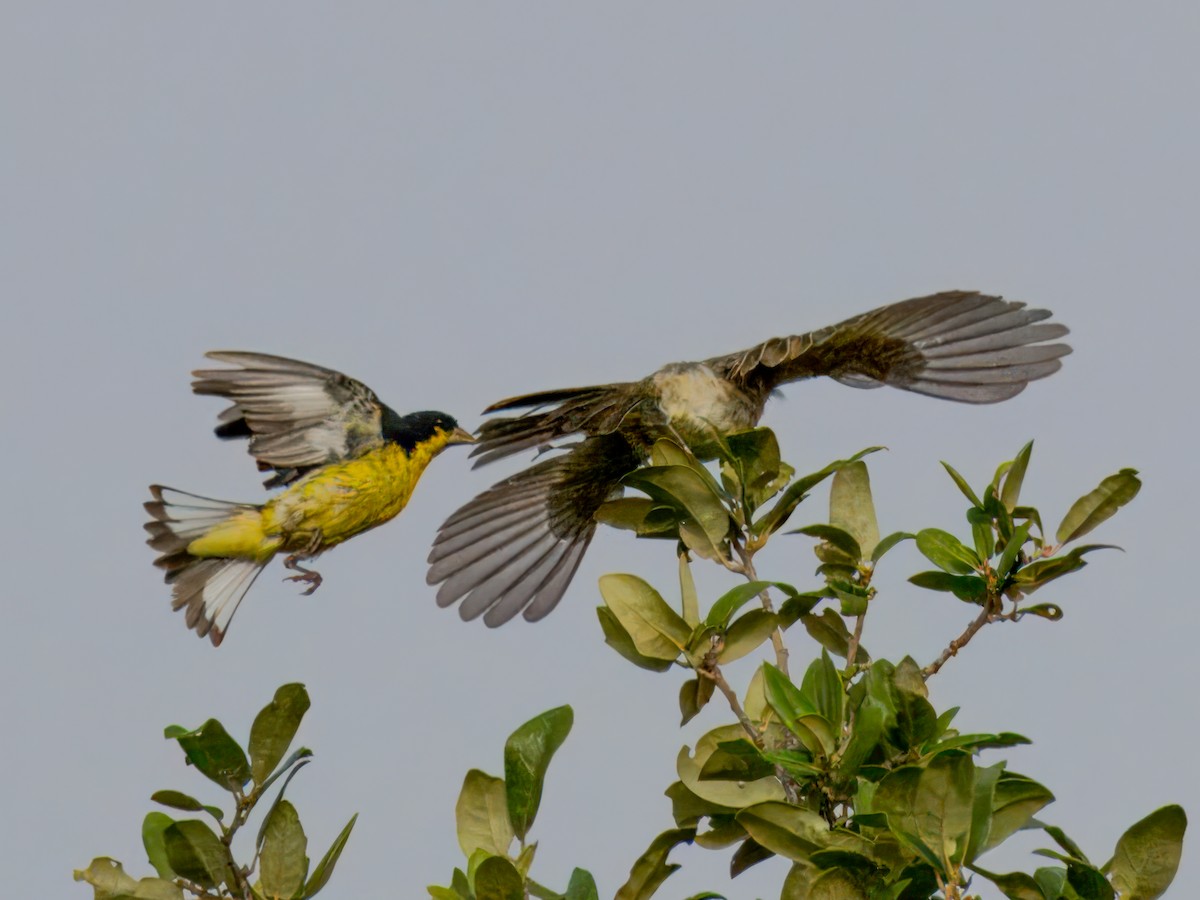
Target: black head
{"x":416,"y":428}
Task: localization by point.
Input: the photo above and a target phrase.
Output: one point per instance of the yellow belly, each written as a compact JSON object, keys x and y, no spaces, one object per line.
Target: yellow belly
{"x":337,"y":502}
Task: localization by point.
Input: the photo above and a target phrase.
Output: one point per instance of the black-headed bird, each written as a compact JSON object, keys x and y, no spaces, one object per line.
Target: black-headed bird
{"x":346,"y":461}
{"x":514,"y":548}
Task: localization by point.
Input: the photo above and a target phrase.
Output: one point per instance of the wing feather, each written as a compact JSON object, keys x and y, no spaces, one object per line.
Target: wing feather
{"x":297,"y":415}
{"x":959,"y":345}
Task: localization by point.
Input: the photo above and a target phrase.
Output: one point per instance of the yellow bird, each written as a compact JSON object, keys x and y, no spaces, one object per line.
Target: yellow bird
{"x":347,"y":463}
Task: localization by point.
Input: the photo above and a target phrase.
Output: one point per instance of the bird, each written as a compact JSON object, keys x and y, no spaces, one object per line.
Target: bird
{"x":515,"y":547}
{"x":345,"y":460}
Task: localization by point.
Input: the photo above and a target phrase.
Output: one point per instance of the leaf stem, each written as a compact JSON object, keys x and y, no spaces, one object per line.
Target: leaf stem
{"x":746,"y":568}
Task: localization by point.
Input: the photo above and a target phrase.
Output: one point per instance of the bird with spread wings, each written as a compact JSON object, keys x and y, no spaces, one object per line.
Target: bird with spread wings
{"x":515,"y":547}
{"x":346,"y":461}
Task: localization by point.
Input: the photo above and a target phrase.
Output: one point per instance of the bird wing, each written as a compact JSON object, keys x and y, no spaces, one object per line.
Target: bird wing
{"x":958,"y":345}
{"x":595,"y":410}
{"x":515,"y":547}
{"x":296,"y":415}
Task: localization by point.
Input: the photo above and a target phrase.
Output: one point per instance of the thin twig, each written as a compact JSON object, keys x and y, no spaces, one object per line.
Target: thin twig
{"x":855,"y":638}
{"x":747,"y":569}
{"x":984,"y":617}
{"x":712,"y":672}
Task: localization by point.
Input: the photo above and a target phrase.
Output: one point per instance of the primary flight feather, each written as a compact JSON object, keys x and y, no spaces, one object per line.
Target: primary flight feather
{"x":515,"y":547}
{"x":347,"y":463}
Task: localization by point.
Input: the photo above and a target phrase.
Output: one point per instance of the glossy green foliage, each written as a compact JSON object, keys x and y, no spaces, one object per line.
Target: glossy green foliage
{"x":493,"y":812}
{"x":194,"y":853}
{"x":847,"y":769}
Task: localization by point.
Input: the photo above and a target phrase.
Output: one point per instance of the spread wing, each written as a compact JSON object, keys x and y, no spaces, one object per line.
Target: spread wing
{"x":590,"y":410}
{"x":958,"y":345}
{"x":515,"y":547}
{"x":296,"y":415}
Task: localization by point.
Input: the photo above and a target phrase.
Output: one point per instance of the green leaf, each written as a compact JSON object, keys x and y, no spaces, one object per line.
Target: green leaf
{"x":946,"y":552}
{"x":1014,"y":885}
{"x":1016,"y":801}
{"x":1088,"y":882}
{"x":981,"y":809}
{"x":750,"y":853}
{"x":754,"y":470}
{"x":864,"y":738}
{"x":889,"y":542}
{"x":837,"y":884}
{"x":1010,"y":493}
{"x":195,"y":853}
{"x":324,"y":870}
{"x":481,"y":815}
{"x":687,"y":491}
{"x":498,"y":879}
{"x":581,"y":886}
{"x":1009,"y":557}
{"x":687,"y":809}
{"x":687,"y":591}
{"x":1147,"y":855}
{"x":527,"y":755}
{"x":177,"y":800}
{"x":929,"y":808}
{"x":274,"y":728}
{"x":796,"y":608}
{"x":748,"y":632}
{"x":111,"y":883}
{"x":153,"y":827}
{"x":652,"y":868}
{"x":214,"y":753}
{"x":1029,"y":578}
{"x":900,"y":690}
{"x":737,"y":597}
{"x":1052,"y":880}
{"x":851,"y":507}
{"x":853,"y":598}
{"x":620,"y":640}
{"x":789,"y":831}
{"x":715,"y":796}
{"x":658,"y":632}
{"x":837,"y":538}
{"x":829,"y":630}
{"x":283,"y":863}
{"x":798,"y":713}
{"x":982,"y":533}
{"x":736,"y":760}
{"x":822,"y":684}
{"x":968,"y":588}
{"x":778,"y":514}
{"x":694,"y":695}
{"x":293,"y":764}
{"x":962,"y":485}
{"x":976,"y":742}
{"x":1074,"y":852}
{"x":644,"y":517}
{"x":1093,"y":508}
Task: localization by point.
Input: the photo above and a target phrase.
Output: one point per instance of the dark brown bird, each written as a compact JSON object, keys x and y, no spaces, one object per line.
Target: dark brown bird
{"x":515,"y":547}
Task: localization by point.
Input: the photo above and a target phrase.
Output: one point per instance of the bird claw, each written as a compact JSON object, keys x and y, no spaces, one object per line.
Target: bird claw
{"x":310,"y":576}
{"x":313,"y":578}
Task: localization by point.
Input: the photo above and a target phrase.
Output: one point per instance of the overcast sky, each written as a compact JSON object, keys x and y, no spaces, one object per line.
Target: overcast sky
{"x":455,"y":203}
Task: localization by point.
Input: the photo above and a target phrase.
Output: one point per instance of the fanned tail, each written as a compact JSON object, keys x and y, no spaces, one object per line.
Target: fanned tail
{"x":209,"y":588}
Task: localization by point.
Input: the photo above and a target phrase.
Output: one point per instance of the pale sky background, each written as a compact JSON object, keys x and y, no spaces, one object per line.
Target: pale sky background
{"x":455,"y":203}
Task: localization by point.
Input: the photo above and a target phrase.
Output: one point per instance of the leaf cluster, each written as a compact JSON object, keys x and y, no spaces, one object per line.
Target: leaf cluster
{"x":195,"y":856}
{"x":492,"y":813}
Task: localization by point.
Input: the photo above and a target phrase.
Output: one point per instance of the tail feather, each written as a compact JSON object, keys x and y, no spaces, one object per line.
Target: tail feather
{"x":208,"y":588}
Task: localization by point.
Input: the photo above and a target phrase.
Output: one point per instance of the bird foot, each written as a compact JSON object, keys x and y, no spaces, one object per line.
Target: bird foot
{"x":309,"y":576}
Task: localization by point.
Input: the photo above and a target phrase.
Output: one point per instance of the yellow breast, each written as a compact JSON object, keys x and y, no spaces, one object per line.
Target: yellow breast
{"x":340,"y":500}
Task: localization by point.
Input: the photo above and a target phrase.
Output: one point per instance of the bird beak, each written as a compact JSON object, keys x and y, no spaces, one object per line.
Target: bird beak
{"x":461,"y":436}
